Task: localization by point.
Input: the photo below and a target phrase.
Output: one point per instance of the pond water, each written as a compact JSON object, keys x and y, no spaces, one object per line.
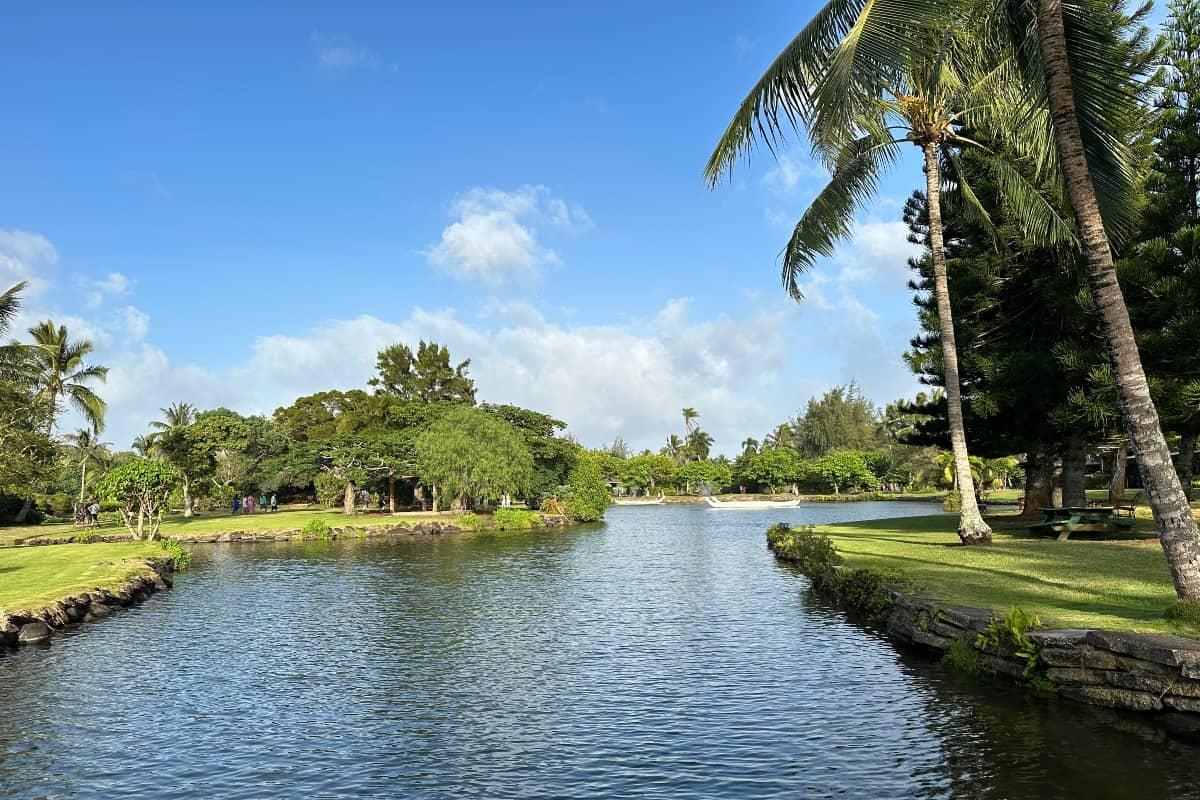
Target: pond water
{"x":663,"y":654}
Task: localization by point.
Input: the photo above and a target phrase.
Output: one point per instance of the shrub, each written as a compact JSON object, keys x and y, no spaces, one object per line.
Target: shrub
{"x":1008,"y":636}
{"x":85,"y":536}
{"x":1184,"y":612}
{"x":588,"y":492}
{"x":179,"y":556}
{"x":953,"y":502}
{"x":864,"y":592}
{"x":317,"y":528}
{"x":961,"y":657}
{"x":468,"y":521}
{"x":813,"y":553}
{"x":59,"y":504}
{"x":552,"y":505}
{"x":514,"y":519}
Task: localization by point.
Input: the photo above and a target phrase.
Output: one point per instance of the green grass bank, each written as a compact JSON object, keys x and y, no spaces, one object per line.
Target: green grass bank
{"x":33,"y":577}
{"x":1118,"y":585}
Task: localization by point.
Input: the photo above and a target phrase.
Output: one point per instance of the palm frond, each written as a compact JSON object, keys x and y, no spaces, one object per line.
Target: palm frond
{"x":10,"y":304}
{"x":830,"y":217}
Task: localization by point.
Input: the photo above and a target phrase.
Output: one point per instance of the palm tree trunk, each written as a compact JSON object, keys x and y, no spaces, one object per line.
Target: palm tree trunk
{"x":1187,"y":455}
{"x":187,"y":496}
{"x":1038,"y":480}
{"x":82,"y":479}
{"x":1177,"y":530}
{"x":1116,"y":488}
{"x":348,"y":499}
{"x":971,"y":527}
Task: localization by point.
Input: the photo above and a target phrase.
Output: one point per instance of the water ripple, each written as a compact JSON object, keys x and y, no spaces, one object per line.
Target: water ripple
{"x":662,"y":655}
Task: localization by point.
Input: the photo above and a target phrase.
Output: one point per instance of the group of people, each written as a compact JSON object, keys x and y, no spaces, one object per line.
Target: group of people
{"x":248,"y":504}
{"x":88,"y":514}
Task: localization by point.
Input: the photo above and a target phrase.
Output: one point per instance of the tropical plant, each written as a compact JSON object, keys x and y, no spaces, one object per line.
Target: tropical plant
{"x":854,"y":76}
{"x":469,"y":453}
{"x":90,"y":451}
{"x":588,"y":493}
{"x":61,"y":374}
{"x":690,"y":417}
{"x":140,"y":489}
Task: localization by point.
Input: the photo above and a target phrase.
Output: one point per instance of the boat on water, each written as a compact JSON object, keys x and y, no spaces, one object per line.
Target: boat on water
{"x":640,"y":501}
{"x":749,"y":505}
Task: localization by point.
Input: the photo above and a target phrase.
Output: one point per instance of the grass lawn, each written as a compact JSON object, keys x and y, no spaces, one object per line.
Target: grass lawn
{"x":32,"y":577}
{"x":218,"y":522}
{"x":1073,"y":584}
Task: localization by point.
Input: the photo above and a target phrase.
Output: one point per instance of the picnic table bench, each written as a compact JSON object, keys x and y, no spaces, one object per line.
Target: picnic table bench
{"x":1090,"y":519}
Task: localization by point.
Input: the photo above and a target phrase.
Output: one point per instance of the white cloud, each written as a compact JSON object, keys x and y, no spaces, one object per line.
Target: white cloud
{"x":496,"y":236}
{"x":25,"y":256}
{"x":114,"y":284}
{"x":878,"y":252}
{"x":341,"y":53}
{"x":789,"y":172}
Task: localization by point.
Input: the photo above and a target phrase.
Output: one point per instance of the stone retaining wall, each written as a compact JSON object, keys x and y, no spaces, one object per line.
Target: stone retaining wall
{"x":1156,"y":676}
{"x":31,"y":627}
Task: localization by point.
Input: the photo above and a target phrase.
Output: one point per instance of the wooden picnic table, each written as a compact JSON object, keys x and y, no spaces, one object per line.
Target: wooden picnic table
{"x":1077,"y":519}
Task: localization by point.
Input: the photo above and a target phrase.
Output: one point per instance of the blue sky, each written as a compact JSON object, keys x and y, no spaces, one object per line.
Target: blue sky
{"x":241,"y":203}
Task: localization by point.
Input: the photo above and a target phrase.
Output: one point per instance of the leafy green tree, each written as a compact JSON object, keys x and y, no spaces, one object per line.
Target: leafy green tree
{"x":469,"y":453}
{"x":426,"y":376}
{"x":844,"y":469}
{"x":588,"y":491}
{"x":140,"y":488}
{"x":192,"y":445}
{"x":843,"y":419}
{"x":712,"y":476}
{"x":772,"y":469}
{"x":61,"y":374}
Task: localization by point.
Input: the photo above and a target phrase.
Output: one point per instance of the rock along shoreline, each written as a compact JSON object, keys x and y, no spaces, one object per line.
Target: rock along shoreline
{"x":24,"y":627}
{"x":1151,"y":677}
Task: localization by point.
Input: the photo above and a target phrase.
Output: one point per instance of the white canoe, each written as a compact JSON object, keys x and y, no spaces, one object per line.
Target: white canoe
{"x":640,"y":501}
{"x":750,"y":505}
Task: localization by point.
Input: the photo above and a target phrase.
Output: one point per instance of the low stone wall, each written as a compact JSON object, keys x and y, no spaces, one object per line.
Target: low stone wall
{"x":1156,"y":676}
{"x":32,"y":627}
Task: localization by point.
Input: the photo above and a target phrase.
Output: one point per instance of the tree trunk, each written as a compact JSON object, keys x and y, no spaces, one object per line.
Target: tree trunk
{"x":391,"y":493}
{"x":348,"y":499}
{"x":82,"y":479}
{"x":1074,"y":462}
{"x":1056,"y":480}
{"x":1177,"y":530}
{"x":1038,"y":482}
{"x":435,"y":499}
{"x":26,"y":507}
{"x":1187,"y":455}
{"x":971,"y":527}
{"x":187,"y":496}
{"x":1116,"y":488}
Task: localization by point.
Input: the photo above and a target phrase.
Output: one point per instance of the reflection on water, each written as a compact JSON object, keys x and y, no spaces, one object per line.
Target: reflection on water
{"x":662,"y":654}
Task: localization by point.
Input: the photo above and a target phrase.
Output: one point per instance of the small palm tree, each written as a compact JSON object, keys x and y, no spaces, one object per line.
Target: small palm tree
{"x":700,"y":444}
{"x":146,"y":445}
{"x":690,"y":415}
{"x":11,"y":355}
{"x":749,"y":446}
{"x":61,"y":374}
{"x":90,"y":451}
{"x":782,"y":436}
{"x":176,"y":415}
{"x":675,"y":449}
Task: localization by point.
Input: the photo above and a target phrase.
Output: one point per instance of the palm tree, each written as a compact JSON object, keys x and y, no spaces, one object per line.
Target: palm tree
{"x":145,"y":445}
{"x":780,"y":437}
{"x":856,"y":75}
{"x":690,"y":415}
{"x":90,"y":450}
{"x":1081,"y":95}
{"x":176,"y":417}
{"x":60,"y":374}
{"x":675,"y":449}
{"x":699,"y":443}
{"x":10,"y":354}
{"x":749,"y":446}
